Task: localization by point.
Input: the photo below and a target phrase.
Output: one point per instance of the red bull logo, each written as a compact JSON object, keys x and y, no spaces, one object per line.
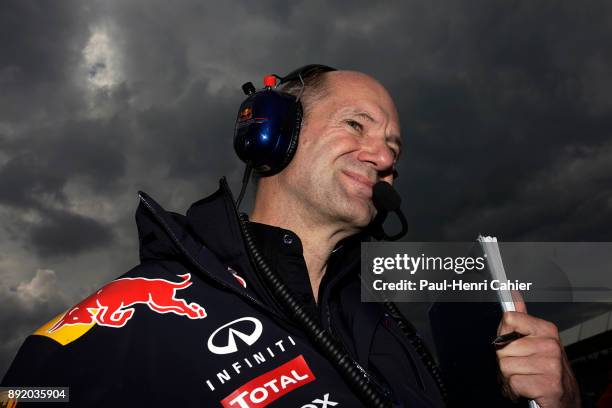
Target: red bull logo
{"x":112,"y":306}
{"x":6,"y":401}
{"x":245,"y":114}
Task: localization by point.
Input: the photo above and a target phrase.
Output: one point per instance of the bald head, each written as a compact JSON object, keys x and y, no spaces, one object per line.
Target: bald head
{"x":319,"y":86}
{"x":360,"y":86}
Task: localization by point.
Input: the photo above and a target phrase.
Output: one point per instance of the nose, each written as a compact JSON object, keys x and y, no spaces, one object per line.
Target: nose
{"x":377,"y":154}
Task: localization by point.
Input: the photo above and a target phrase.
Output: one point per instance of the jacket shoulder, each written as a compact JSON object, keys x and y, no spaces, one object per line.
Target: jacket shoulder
{"x":112,"y":306}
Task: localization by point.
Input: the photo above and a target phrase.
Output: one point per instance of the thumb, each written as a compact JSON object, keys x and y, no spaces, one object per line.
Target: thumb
{"x":519,"y":303}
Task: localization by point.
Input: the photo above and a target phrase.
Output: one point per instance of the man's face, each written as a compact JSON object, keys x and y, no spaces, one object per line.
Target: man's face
{"x":350,"y":141}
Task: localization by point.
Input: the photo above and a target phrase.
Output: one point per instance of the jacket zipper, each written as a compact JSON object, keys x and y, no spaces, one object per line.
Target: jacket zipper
{"x":325,"y":304}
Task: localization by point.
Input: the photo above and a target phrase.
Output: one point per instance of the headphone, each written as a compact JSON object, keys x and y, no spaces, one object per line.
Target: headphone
{"x":269,"y":121}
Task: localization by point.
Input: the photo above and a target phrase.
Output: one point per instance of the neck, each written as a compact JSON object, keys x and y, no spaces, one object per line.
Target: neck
{"x":318,"y":236}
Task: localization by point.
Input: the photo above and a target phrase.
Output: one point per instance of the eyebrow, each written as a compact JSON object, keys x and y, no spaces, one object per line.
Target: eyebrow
{"x":365,"y":115}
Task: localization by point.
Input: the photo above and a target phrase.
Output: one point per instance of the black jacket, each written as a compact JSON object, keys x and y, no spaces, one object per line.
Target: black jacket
{"x":193,"y":326}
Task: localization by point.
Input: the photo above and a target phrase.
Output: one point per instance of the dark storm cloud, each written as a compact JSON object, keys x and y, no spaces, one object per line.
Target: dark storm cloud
{"x":192,"y":137}
{"x":35,"y":37}
{"x":40,"y":166}
{"x":520,"y":103}
{"x":45,"y":159}
{"x":25,"y":307}
{"x":38,"y":57}
{"x":63,"y":233}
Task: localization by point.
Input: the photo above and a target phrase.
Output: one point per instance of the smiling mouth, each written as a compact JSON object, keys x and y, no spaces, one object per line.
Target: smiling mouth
{"x":363,"y":182}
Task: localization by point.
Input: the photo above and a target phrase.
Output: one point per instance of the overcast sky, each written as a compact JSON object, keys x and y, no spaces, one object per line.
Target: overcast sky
{"x":505,"y":108}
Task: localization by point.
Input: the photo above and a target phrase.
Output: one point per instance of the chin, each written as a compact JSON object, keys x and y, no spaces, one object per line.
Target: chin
{"x":353,"y":207}
{"x":360,"y":215}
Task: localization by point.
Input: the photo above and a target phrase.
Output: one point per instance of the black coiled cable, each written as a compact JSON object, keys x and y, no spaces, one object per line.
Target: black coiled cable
{"x":356,"y":378}
{"x":420,"y":347}
{"x":386,"y":200}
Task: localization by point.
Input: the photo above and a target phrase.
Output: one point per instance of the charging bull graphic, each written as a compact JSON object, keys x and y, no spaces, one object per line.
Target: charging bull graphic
{"x":111,"y":306}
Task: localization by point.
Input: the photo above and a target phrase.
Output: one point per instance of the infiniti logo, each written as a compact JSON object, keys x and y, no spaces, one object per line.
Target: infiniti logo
{"x":223,"y":340}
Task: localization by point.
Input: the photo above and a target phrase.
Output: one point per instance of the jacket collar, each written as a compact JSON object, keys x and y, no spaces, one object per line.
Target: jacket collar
{"x":214,"y":221}
{"x":211,"y":221}
{"x":209,"y":238}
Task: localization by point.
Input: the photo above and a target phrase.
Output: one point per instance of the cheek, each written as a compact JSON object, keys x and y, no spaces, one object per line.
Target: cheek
{"x":321,"y":150}
{"x":331,"y":146}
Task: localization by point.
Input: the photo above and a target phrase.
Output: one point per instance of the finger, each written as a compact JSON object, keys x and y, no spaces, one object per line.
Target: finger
{"x":519,"y":302}
{"x":510,"y":366}
{"x":528,"y":346}
{"x":536,"y":387}
{"x":527,"y":325}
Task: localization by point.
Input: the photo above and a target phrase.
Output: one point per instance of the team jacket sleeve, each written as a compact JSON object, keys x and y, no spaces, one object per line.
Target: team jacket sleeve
{"x":92,"y":374}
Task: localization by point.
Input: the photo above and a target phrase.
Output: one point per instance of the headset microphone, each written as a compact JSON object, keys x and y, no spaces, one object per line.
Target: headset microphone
{"x":386,"y":199}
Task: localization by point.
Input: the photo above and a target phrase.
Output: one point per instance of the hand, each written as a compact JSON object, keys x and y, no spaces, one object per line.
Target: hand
{"x":535,"y":366}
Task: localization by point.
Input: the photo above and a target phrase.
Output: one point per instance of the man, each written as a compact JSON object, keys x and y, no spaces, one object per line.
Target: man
{"x":195,"y":324}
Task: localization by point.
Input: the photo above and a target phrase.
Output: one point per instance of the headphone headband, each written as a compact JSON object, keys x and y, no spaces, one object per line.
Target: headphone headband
{"x":306,"y":71}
